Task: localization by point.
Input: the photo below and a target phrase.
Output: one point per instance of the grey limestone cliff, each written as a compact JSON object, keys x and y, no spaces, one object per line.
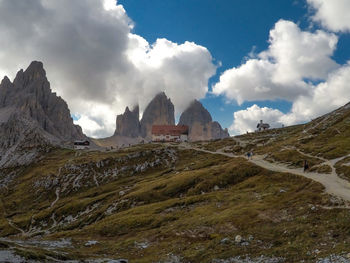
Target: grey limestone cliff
{"x":201,"y":125}
{"x":128,"y":124}
{"x":32,"y":117}
{"x":160,"y":111}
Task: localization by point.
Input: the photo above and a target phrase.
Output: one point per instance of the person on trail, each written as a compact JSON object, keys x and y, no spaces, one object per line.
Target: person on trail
{"x":248,"y":155}
{"x":306,"y":166}
{"x":251,"y":155}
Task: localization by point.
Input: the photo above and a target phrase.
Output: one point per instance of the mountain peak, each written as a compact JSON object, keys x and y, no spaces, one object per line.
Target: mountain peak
{"x":35,"y":70}
{"x":195,"y":113}
{"x":5,"y":82}
{"x":32,"y":96}
{"x":128,"y":124}
{"x":201,"y":123}
{"x":160,"y":111}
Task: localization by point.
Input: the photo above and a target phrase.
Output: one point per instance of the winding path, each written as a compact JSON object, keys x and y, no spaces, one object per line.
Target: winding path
{"x":333,"y":184}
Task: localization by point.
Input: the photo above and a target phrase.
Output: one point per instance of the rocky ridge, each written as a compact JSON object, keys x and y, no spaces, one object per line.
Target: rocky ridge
{"x":160,"y":111}
{"x":32,"y":117}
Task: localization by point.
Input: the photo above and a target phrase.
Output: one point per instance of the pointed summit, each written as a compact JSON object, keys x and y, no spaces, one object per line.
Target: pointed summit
{"x":6,"y":87}
{"x":5,"y":82}
{"x":35,"y":71}
{"x":195,"y":113}
{"x":160,"y":111}
{"x":200,"y":122}
{"x":128,"y":124}
{"x":31,"y":95}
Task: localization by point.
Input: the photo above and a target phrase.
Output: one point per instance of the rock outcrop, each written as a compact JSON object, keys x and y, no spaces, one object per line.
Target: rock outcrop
{"x":128,"y":124}
{"x":160,"y":111}
{"x":201,"y":126}
{"x":32,"y":117}
{"x":30,"y":94}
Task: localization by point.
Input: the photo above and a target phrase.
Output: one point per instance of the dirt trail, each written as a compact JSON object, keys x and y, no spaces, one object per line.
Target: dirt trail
{"x":58,"y":189}
{"x":333,"y":184}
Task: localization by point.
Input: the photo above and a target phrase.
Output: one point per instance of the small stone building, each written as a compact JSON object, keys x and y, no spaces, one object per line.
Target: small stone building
{"x":81,"y":145}
{"x":169,"y":133}
{"x":263,"y":126}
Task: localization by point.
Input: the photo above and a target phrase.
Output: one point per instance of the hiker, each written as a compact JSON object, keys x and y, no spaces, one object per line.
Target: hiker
{"x":248,"y":155}
{"x":306,"y":166}
{"x":251,"y":155}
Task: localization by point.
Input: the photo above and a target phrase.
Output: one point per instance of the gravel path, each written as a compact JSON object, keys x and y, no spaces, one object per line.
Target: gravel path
{"x":333,"y":184}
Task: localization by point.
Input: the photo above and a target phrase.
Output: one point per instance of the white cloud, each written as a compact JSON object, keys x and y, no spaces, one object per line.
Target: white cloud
{"x":247,"y":120}
{"x":181,"y":70}
{"x":280,"y":71}
{"x":92,"y":58}
{"x":325,"y":97}
{"x":286,"y":70}
{"x":332,"y":14}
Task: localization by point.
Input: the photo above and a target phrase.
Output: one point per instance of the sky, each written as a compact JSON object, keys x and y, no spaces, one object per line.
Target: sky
{"x":285,"y":62}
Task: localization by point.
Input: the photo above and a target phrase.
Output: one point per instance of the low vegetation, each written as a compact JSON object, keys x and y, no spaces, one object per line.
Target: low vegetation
{"x":148,"y":203}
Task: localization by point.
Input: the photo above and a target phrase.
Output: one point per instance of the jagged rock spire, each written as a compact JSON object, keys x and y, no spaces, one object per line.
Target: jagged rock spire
{"x":128,"y":124}
{"x":160,"y":111}
{"x":201,"y":125}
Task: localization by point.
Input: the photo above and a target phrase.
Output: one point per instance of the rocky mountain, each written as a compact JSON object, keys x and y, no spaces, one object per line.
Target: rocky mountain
{"x":128,"y":124}
{"x":201,"y":126}
{"x":31,"y":115}
{"x":158,"y":112}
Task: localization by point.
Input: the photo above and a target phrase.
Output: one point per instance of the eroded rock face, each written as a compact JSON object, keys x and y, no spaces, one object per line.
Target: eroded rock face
{"x":201,"y":126}
{"x":32,"y":117}
{"x":128,"y":124}
{"x":195,"y":113}
{"x":30,"y":95}
{"x":22,"y":141}
{"x":160,"y":111}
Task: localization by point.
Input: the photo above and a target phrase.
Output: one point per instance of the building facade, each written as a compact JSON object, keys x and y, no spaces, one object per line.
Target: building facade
{"x":169,"y":133}
{"x":81,"y":145}
{"x":263,"y":126}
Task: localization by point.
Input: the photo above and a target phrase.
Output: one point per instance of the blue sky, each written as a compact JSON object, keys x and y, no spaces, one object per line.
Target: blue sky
{"x":230,"y":29}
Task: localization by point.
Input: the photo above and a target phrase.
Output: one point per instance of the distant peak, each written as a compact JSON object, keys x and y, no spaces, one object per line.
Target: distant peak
{"x":5,"y":81}
{"x":36,"y":69}
{"x":36,"y":65}
{"x":196,"y":103}
{"x":34,"y":72}
{"x":136,"y":109}
{"x":161,"y":95}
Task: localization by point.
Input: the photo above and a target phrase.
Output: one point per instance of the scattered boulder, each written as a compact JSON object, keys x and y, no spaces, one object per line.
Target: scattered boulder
{"x":91,"y":243}
{"x":225,"y":241}
{"x":238,"y":239}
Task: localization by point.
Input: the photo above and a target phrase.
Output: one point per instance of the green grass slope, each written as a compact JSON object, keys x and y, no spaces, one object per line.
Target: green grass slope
{"x":149,"y":203}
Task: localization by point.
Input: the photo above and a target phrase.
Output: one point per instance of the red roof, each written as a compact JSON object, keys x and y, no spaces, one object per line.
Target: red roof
{"x":169,"y":130}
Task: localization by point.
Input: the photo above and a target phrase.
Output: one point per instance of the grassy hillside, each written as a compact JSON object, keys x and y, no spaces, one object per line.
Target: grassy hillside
{"x":325,"y":139}
{"x":153,"y":203}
